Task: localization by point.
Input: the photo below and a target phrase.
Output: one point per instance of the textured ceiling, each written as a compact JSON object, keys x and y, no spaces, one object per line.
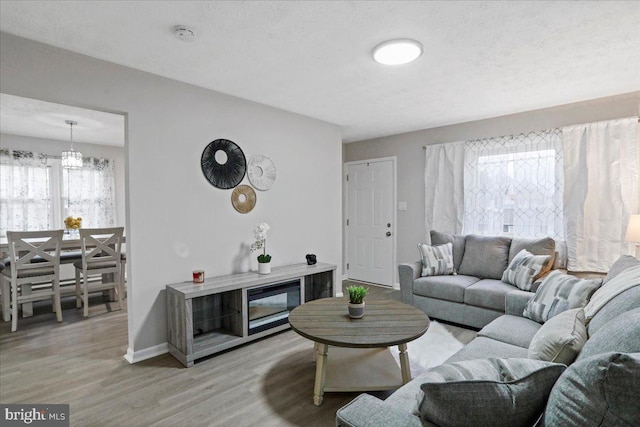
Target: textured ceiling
{"x":40,"y":119}
{"x":481,"y":59}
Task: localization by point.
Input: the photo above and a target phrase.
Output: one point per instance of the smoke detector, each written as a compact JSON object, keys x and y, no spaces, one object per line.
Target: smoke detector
{"x":184,"y":33}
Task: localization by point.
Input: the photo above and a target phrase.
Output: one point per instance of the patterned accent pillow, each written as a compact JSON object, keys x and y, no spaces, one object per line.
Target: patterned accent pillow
{"x":559,"y":292}
{"x":488,"y":392}
{"x":524,"y":269}
{"x":436,"y":260}
{"x":560,"y":339}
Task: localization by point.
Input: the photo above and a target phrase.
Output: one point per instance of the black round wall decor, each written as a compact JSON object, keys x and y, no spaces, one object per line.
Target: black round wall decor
{"x":220,"y":173}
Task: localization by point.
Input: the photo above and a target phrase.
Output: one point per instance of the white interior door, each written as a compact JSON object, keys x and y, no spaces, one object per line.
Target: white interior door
{"x":370,"y":217}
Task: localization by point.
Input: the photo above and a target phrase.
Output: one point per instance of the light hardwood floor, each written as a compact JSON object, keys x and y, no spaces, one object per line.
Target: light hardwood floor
{"x":80,"y":362}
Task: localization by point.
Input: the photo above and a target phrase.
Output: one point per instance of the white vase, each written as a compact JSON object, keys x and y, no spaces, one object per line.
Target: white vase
{"x":264,"y":267}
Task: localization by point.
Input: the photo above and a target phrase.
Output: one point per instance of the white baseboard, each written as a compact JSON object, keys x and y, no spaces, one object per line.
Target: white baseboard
{"x":147,"y":353}
{"x":396,"y":286}
{"x":339,"y":294}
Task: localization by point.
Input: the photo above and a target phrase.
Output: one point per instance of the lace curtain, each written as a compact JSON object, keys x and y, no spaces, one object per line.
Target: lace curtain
{"x":89,"y":193}
{"x":36,"y":193}
{"x":513,"y":185}
{"x":25,"y":191}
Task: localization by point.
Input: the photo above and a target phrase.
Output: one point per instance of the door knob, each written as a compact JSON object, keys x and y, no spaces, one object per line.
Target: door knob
{"x":388,"y":233}
{"x":388,"y":225}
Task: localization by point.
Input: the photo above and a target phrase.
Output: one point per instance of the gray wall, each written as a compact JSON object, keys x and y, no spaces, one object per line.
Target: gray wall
{"x":55,"y":148}
{"x":410,"y":154}
{"x":176,"y":221}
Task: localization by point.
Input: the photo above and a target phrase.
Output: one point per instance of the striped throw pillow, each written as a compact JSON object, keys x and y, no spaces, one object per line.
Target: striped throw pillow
{"x":559,"y":292}
{"x":524,"y":269}
{"x":436,"y":260}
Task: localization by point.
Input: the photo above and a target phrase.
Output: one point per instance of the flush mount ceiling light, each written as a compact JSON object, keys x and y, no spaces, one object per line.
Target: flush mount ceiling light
{"x":184,"y":33}
{"x":397,"y":52}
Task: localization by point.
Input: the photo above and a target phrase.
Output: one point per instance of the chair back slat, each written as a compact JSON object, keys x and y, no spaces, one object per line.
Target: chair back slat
{"x":101,"y":245}
{"x":26,"y":245}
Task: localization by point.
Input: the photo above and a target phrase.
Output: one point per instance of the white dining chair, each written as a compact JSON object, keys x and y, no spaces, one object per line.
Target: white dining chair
{"x":101,"y":256}
{"x":25,"y":247}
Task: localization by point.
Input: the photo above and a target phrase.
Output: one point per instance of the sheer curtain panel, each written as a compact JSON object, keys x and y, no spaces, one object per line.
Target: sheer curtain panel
{"x":25,"y":191}
{"x":90,"y":193}
{"x":444,"y":187}
{"x":601,"y":191}
{"x":513,"y":185}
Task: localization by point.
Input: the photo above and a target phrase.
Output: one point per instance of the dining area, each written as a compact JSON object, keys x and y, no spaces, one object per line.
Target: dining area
{"x":30,"y":270}
{"x":62,"y":211}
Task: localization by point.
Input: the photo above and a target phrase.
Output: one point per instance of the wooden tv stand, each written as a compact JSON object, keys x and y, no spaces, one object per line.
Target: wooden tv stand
{"x":217,"y":309}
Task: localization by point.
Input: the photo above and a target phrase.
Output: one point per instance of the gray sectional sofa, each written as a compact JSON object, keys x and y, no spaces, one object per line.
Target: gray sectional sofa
{"x":476,"y":295}
{"x":600,"y":388}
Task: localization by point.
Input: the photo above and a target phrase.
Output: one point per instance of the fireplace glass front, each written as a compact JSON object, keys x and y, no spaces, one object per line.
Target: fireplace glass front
{"x":269,"y":306}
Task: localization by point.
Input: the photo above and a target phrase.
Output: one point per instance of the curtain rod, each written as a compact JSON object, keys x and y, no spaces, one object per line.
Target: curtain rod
{"x":424,"y":147}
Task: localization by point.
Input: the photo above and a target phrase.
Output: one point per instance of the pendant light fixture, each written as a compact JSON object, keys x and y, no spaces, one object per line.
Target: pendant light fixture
{"x":71,"y":159}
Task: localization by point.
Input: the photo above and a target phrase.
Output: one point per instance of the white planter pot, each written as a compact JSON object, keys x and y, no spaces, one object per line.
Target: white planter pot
{"x":264,"y":267}
{"x":356,"y":311}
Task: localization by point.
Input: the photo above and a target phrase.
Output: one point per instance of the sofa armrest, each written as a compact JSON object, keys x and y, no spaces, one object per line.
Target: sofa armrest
{"x":407,"y":273}
{"x":515,"y":301}
{"x":368,"y":411}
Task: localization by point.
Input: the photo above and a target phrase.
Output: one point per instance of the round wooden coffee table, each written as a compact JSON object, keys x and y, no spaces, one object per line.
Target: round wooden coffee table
{"x":386,"y":323}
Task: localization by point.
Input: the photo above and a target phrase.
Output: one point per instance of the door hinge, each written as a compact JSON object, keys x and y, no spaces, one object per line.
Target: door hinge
{"x":347,"y":177}
{"x":347,"y":222}
{"x":347,"y":266}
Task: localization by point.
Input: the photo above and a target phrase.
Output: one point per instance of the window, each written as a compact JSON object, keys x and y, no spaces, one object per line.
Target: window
{"x":36,"y":193}
{"x":513,"y":185}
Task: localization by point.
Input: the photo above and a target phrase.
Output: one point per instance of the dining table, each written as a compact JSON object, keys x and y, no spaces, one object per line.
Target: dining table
{"x":69,"y":253}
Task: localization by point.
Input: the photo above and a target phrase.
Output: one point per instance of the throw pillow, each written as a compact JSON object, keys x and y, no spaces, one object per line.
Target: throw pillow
{"x":491,"y":392}
{"x":457,"y":240}
{"x":598,"y":391}
{"x":560,"y":339}
{"x":436,"y":260}
{"x":524,"y":269}
{"x":559,"y":292}
{"x":543,"y":246}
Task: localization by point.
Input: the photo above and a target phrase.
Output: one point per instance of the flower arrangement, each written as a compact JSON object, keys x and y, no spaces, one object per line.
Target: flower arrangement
{"x":73,"y":223}
{"x":357,"y":294}
{"x":260,"y":234}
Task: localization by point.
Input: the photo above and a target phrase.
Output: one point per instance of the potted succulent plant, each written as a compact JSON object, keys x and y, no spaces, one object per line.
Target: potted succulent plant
{"x":264,"y":259}
{"x":356,"y":301}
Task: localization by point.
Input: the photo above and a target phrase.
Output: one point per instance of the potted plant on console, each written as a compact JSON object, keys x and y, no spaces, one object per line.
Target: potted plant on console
{"x":264,"y":259}
{"x":356,"y":301}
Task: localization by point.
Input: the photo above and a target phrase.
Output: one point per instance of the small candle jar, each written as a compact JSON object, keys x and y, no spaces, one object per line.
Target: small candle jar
{"x":198,"y":276}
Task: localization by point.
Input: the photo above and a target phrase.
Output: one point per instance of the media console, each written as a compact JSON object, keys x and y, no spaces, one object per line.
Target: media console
{"x":227,"y":311}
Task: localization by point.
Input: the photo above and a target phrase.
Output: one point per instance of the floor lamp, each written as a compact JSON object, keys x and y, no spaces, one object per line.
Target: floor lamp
{"x":633,"y":233}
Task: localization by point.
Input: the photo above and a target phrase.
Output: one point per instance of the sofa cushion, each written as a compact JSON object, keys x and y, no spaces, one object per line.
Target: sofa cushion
{"x":488,"y":293}
{"x":457,"y":240}
{"x":544,"y":246}
{"x":495,"y":392}
{"x":524,"y":269}
{"x":621,"y":264}
{"x":626,"y":301}
{"x":485,"y":257}
{"x":449,"y":288}
{"x":513,"y":330}
{"x":621,"y":334}
{"x":619,"y":284}
{"x":597,"y":391}
{"x":436,"y":260}
{"x":560,"y":339}
{"x":482,"y":347}
{"x":559,"y":292}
